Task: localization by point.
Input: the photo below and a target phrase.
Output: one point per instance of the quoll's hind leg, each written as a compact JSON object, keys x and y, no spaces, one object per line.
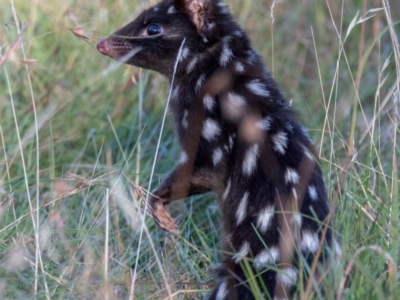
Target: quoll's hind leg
{"x":233,"y":284}
{"x":230,"y":289}
{"x":224,"y":290}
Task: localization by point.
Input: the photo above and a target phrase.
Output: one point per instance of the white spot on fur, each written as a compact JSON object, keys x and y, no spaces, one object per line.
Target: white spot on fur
{"x":239,"y":67}
{"x":250,"y":160}
{"x":222,"y":291}
{"x":183,"y":158}
{"x":184,"y":54}
{"x":208,"y":102}
{"x":155,"y":9}
{"x":264,"y":218}
{"x":258,"y":88}
{"x":231,"y":106}
{"x":231,"y":142}
{"x":192,"y":64}
{"x":252,"y":57}
{"x":264,"y":124}
{"x":185,"y":122}
{"x":199,"y":82}
{"x":227,"y":189}
{"x":307,"y":153}
{"x":226,"y":53}
{"x":210,"y":26}
{"x":219,"y":266}
{"x":287,"y":276}
{"x":305,"y":131}
{"x":280,"y":141}
{"x":291,"y":176}
{"x":266,"y":257}
{"x":224,"y":9}
{"x":244,"y":250}
{"x":238,"y":33}
{"x":211,"y":129}
{"x":236,"y":99}
{"x":171,"y":10}
{"x":309,"y":242}
{"x":217,"y":156}
{"x":297,"y":219}
{"x":241,"y":211}
{"x":312,"y":191}
{"x":289,"y":127}
{"x":175,"y":93}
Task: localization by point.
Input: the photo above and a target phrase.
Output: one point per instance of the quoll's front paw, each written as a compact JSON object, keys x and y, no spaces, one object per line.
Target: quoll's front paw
{"x":162,"y":216}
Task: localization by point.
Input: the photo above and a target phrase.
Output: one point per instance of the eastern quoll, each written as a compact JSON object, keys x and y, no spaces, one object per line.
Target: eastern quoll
{"x":240,"y":139}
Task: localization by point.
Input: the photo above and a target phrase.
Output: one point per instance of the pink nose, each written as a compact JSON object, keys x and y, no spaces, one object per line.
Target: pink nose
{"x":103,"y":47}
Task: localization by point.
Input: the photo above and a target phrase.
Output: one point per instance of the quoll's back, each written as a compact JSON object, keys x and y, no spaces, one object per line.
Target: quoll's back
{"x":240,"y":139}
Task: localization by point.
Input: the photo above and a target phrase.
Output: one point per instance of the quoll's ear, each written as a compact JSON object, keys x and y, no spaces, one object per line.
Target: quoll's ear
{"x":199,"y":12}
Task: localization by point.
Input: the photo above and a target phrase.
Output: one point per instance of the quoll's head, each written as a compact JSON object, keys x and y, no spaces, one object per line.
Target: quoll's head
{"x":153,"y":39}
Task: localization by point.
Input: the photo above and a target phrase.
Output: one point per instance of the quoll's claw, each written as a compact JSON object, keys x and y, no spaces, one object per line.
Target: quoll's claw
{"x":163,"y":218}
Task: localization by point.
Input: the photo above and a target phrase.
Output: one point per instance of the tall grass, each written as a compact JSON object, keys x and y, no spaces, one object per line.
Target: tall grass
{"x":78,"y":136}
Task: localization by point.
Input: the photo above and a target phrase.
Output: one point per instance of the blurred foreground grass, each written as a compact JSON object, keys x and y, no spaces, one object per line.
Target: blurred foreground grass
{"x":78,"y":135}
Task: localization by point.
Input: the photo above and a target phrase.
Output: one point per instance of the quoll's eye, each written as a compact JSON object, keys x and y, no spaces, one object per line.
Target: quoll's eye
{"x":153,"y":29}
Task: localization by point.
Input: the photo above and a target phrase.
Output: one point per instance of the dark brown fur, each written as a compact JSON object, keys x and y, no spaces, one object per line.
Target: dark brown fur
{"x":240,"y":139}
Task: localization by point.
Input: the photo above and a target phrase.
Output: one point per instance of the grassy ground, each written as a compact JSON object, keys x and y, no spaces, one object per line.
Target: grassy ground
{"x":79,"y":134}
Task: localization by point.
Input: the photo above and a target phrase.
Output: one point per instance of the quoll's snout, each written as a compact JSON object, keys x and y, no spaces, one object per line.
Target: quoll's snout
{"x":104,"y":47}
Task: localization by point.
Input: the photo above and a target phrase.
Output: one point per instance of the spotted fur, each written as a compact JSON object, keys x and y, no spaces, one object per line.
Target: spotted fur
{"x":240,"y":139}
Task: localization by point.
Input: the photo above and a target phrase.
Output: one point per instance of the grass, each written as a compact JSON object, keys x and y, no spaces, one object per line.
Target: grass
{"x":79,"y":133}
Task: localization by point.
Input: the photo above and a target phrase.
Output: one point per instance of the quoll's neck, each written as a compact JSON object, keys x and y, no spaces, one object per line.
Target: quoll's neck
{"x":232,"y":54}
